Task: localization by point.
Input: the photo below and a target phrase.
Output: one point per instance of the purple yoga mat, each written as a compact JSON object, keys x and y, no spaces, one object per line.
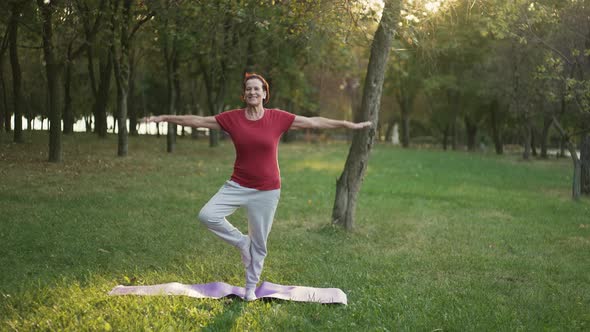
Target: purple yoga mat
{"x":216,"y":290}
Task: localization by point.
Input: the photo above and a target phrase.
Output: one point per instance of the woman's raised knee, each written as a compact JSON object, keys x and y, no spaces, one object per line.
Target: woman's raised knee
{"x":209,"y":218}
{"x":206,"y":216}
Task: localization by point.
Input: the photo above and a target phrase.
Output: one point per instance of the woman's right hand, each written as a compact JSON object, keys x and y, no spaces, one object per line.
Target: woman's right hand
{"x":155,"y":119}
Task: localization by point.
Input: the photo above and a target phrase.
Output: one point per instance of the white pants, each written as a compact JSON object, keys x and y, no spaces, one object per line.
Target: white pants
{"x":260,"y":205}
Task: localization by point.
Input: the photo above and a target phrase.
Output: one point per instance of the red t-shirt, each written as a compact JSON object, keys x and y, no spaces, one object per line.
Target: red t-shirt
{"x":256,"y":143}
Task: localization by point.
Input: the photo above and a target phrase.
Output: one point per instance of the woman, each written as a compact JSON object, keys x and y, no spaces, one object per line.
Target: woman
{"x":255,"y":183}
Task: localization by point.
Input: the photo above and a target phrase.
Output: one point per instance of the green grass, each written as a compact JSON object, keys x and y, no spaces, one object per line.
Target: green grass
{"x":443,"y":240}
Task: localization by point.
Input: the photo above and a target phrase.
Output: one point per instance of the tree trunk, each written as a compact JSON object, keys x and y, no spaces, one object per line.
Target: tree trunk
{"x":496,"y":135}
{"x":131,"y":97}
{"x":547,"y":122}
{"x":577,"y":179}
{"x":178,"y":103}
{"x":249,"y":67}
{"x":213,"y":138}
{"x":389,"y":131}
{"x":562,"y":138}
{"x":216,"y":84}
{"x":93,"y":89}
{"x":121,"y":66}
{"x":453,"y":98}
{"x":353,"y":91}
{"x":122,"y":135}
{"x":446,"y":133}
{"x":15,"y":10}
{"x":194,"y":105}
{"x":405,"y":124}
{"x":471,"y":129}
{"x":4,"y":113}
{"x":350,"y":180}
{"x":177,"y":94}
{"x":91,"y":28}
{"x":144,"y":110}
{"x":561,"y":153}
{"x":585,"y":165}
{"x":289,"y":136}
{"x":454,"y":134}
{"x":55,"y":150}
{"x":214,"y":108}
{"x":533,"y":141}
{"x":88,"y":123}
{"x":101,"y":102}
{"x":68,"y":117}
{"x":526,"y":133}
{"x":91,"y":75}
{"x":171,"y":68}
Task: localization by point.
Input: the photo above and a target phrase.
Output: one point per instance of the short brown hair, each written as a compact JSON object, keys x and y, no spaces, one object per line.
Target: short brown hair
{"x":250,"y":76}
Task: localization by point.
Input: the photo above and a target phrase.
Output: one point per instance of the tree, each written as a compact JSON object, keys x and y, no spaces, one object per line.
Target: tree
{"x":16,"y":8}
{"x":92,"y":19}
{"x":51,"y":66}
{"x":177,"y":27}
{"x":585,"y":165}
{"x":561,"y":29}
{"x":215,"y":58}
{"x":120,"y":25}
{"x":171,"y":53}
{"x":407,"y":79}
{"x":4,"y":113}
{"x":120,"y":55}
{"x":76,"y":12}
{"x":350,"y":180}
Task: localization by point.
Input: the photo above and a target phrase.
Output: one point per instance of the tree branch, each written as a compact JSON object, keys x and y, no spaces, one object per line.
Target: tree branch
{"x":140,"y":23}
{"x":98,"y":19}
{"x":4,"y":45}
{"x":31,"y":47}
{"x":544,"y":43}
{"x":576,"y":133}
{"x":560,"y":128}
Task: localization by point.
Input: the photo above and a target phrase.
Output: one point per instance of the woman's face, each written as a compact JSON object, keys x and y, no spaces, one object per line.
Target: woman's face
{"x":254,"y":94}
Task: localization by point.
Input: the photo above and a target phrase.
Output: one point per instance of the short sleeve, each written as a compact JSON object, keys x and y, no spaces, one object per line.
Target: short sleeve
{"x":224,"y":120}
{"x":285,"y":119}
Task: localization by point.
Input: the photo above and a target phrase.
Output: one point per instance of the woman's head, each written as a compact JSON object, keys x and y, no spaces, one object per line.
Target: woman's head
{"x":255,"y":89}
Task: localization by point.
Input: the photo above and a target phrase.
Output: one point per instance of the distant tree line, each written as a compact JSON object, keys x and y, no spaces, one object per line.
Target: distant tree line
{"x":460,"y":74}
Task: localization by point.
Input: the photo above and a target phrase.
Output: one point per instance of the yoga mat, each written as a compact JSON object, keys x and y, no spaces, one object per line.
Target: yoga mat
{"x":216,"y":290}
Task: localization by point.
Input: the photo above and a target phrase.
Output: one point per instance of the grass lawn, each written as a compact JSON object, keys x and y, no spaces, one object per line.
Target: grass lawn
{"x":443,"y":240}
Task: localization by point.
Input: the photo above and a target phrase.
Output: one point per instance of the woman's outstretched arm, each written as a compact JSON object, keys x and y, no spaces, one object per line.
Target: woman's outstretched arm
{"x":193,"y":121}
{"x":303,"y":122}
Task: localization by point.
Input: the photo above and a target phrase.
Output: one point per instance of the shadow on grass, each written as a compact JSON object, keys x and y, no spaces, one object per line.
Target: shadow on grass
{"x":227,"y":319}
